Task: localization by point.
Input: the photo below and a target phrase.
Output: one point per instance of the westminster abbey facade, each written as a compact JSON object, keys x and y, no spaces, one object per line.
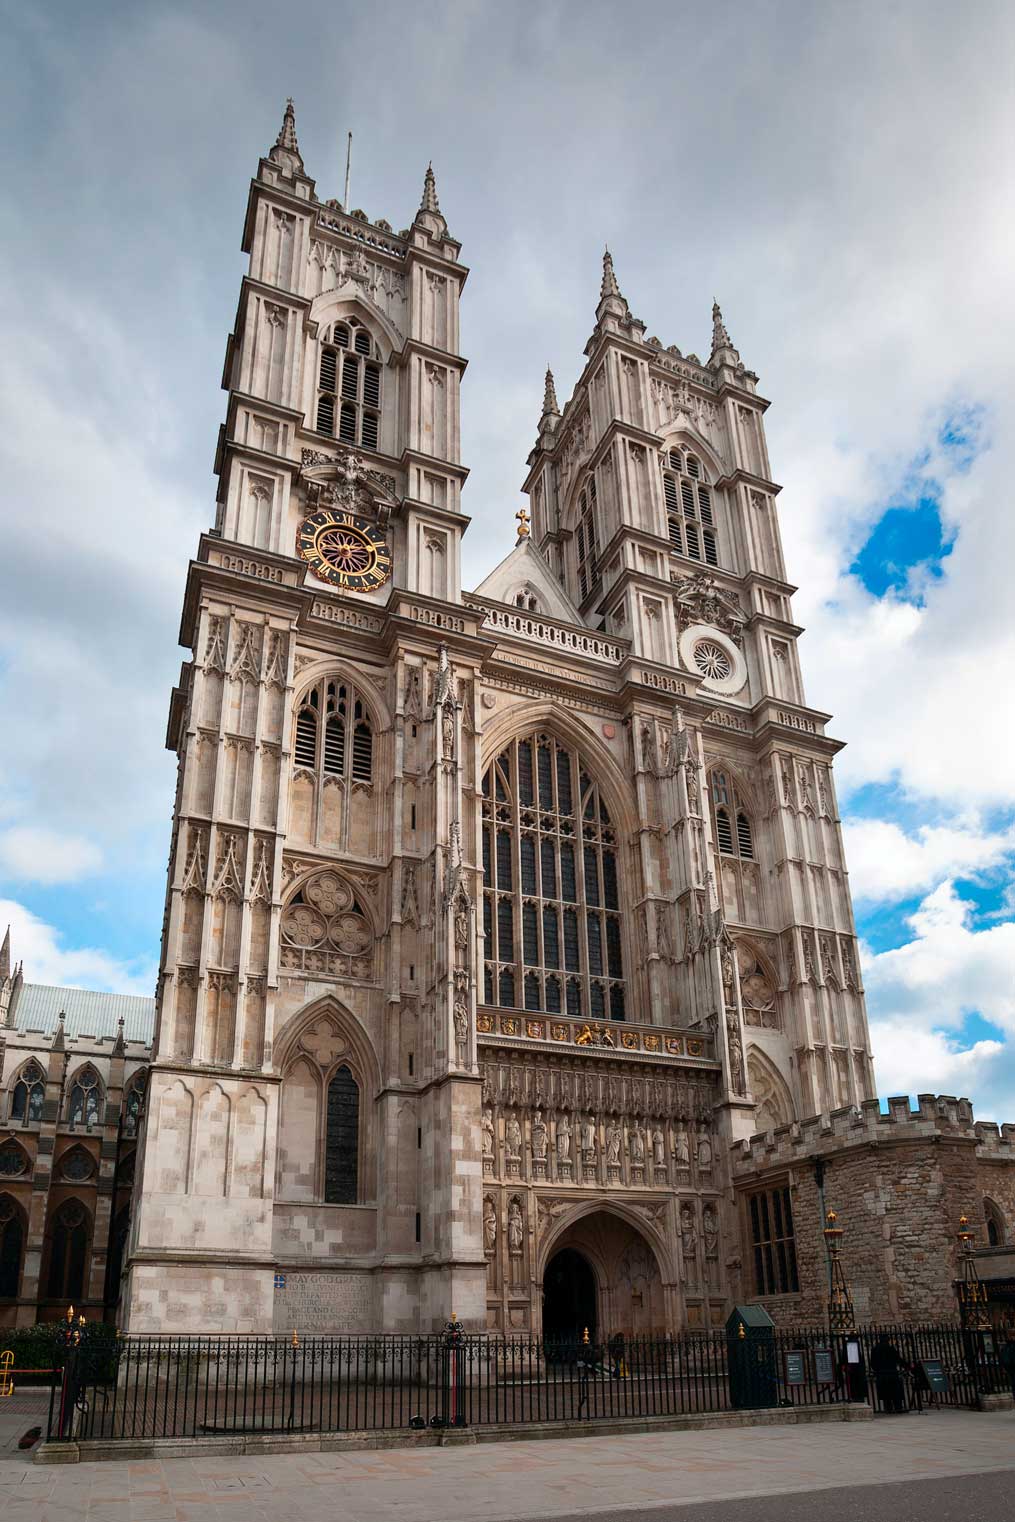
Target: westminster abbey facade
{"x":498,"y":920}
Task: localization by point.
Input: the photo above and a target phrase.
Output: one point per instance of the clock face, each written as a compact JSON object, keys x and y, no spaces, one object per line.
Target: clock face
{"x":349,"y":552}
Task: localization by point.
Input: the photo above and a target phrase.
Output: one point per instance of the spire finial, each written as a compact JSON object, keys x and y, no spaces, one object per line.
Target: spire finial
{"x":287,"y":137}
{"x":550,"y":396}
{"x":523,"y":524}
{"x":429,"y":201}
{"x":5,"y":956}
{"x":720,"y":337}
{"x":286,"y":151}
{"x":609,"y":286}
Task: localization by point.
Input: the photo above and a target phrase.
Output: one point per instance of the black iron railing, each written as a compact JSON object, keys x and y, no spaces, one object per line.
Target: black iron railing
{"x":148,"y":1388}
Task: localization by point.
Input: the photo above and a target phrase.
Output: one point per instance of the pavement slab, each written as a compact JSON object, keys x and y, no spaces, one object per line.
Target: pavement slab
{"x":629,"y":1475}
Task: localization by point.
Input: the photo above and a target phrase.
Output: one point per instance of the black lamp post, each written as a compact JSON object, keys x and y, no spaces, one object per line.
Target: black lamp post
{"x":841,"y":1316}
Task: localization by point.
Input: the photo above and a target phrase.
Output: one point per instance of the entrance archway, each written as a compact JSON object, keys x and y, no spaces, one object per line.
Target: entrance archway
{"x":603,"y":1273}
{"x":569,"y":1298}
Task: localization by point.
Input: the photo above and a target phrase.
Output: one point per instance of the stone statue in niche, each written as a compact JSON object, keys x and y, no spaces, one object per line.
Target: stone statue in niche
{"x":588,"y":1139}
{"x":613,"y":1141}
{"x":539,"y":1137}
{"x":461,"y":1019}
{"x":710,"y":1229}
{"x":487,"y":1134}
{"x":648,"y":748}
{"x":736,"y":1050}
{"x":564,"y":1139}
{"x":448,"y":734}
{"x":489,"y":1225}
{"x":705,"y":1155}
{"x":462,"y":934}
{"x":681,"y":1152}
{"x":659,"y":1148}
{"x":513,"y":1136}
{"x":637,"y":1145}
{"x":688,"y":1231}
{"x":516,"y":1229}
{"x":728,"y":973}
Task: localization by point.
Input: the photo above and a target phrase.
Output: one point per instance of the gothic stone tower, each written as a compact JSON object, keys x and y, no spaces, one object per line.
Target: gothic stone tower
{"x":319,"y":919}
{"x":494,"y":918}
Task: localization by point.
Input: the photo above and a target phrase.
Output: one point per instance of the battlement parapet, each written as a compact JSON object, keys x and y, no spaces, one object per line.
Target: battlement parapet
{"x":936,"y":1115}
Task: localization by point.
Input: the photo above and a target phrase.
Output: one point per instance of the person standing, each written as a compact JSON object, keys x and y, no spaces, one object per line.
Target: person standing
{"x":886,"y":1364}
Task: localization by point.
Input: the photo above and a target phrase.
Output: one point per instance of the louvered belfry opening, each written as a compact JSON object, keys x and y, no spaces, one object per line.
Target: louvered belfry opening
{"x":689,"y":519}
{"x":334,"y":733}
{"x":733,"y":832}
{"x":349,"y":385}
{"x":551,"y":903}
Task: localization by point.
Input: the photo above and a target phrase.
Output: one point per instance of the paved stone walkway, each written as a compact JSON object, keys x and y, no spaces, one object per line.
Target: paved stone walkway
{"x":507,"y":1482}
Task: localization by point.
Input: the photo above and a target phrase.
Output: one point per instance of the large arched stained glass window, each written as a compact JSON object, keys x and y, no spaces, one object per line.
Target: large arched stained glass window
{"x":68,"y":1252}
{"x":551,"y":921}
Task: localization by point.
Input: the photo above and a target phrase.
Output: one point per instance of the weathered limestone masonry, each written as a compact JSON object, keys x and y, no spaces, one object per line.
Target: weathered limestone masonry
{"x":899,"y":1183}
{"x":494,"y":917}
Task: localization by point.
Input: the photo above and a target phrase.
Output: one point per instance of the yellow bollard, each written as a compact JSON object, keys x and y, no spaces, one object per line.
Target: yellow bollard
{"x":6,"y":1364}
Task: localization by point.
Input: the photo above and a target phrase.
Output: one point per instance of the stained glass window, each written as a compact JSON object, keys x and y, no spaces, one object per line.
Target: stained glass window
{"x":549,"y":845}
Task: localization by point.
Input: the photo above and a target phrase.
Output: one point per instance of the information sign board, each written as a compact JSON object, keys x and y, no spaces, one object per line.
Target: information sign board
{"x":935,"y":1375}
{"x":795,"y":1367}
{"x":824,"y":1366}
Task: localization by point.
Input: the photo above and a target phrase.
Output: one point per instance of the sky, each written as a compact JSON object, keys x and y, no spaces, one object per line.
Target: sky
{"x":838,"y":177}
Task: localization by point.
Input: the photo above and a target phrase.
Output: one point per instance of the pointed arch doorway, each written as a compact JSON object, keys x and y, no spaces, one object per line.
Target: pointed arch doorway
{"x":569,"y":1298}
{"x":603,"y":1273}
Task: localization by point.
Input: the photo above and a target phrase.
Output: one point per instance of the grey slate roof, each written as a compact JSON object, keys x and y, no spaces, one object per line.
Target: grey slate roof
{"x":37,"y":1007}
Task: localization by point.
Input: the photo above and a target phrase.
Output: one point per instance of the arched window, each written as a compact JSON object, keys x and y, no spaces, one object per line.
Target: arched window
{"x":527,"y":600}
{"x":341,"y":1155}
{"x":85,"y":1099}
{"x":996,"y":1234}
{"x":12,"y":1246}
{"x":731,"y":823}
{"x":349,"y":385}
{"x":586,"y":540}
{"x":26,"y":1100}
{"x":68,"y":1252}
{"x":334,"y":736}
{"x":77,"y":1165}
{"x":689,"y":517}
{"x":13,"y":1160}
{"x":551,"y":920}
{"x":132,"y":1106}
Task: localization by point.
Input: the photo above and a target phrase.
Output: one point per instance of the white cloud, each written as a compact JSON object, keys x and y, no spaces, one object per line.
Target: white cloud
{"x":47,"y":960}
{"x":911,"y":1061}
{"x":920,"y":994}
{"x":886,"y":863}
{"x":947,"y":971}
{"x":30,"y":854}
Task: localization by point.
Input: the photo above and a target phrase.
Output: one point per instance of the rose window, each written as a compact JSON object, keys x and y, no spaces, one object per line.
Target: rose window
{"x":712,"y":661}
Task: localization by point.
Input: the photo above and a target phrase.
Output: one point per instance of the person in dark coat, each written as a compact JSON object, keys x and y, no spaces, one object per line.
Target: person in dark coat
{"x":1006,"y":1357}
{"x":887,"y":1366}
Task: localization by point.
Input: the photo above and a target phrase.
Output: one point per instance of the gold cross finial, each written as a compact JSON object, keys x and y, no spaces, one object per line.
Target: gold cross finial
{"x":523,"y":523}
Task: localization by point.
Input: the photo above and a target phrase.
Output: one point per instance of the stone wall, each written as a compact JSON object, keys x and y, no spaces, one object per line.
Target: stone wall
{"x":899,"y":1183}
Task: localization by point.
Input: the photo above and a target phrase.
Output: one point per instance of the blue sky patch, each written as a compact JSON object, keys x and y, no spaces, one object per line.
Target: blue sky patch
{"x":907,"y":546}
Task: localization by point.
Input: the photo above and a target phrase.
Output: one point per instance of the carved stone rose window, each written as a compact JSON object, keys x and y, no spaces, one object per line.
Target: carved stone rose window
{"x":757,"y":990}
{"x":325,"y":932}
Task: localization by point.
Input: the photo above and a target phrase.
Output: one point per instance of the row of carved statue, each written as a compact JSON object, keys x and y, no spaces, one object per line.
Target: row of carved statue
{"x":583,"y":1137}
